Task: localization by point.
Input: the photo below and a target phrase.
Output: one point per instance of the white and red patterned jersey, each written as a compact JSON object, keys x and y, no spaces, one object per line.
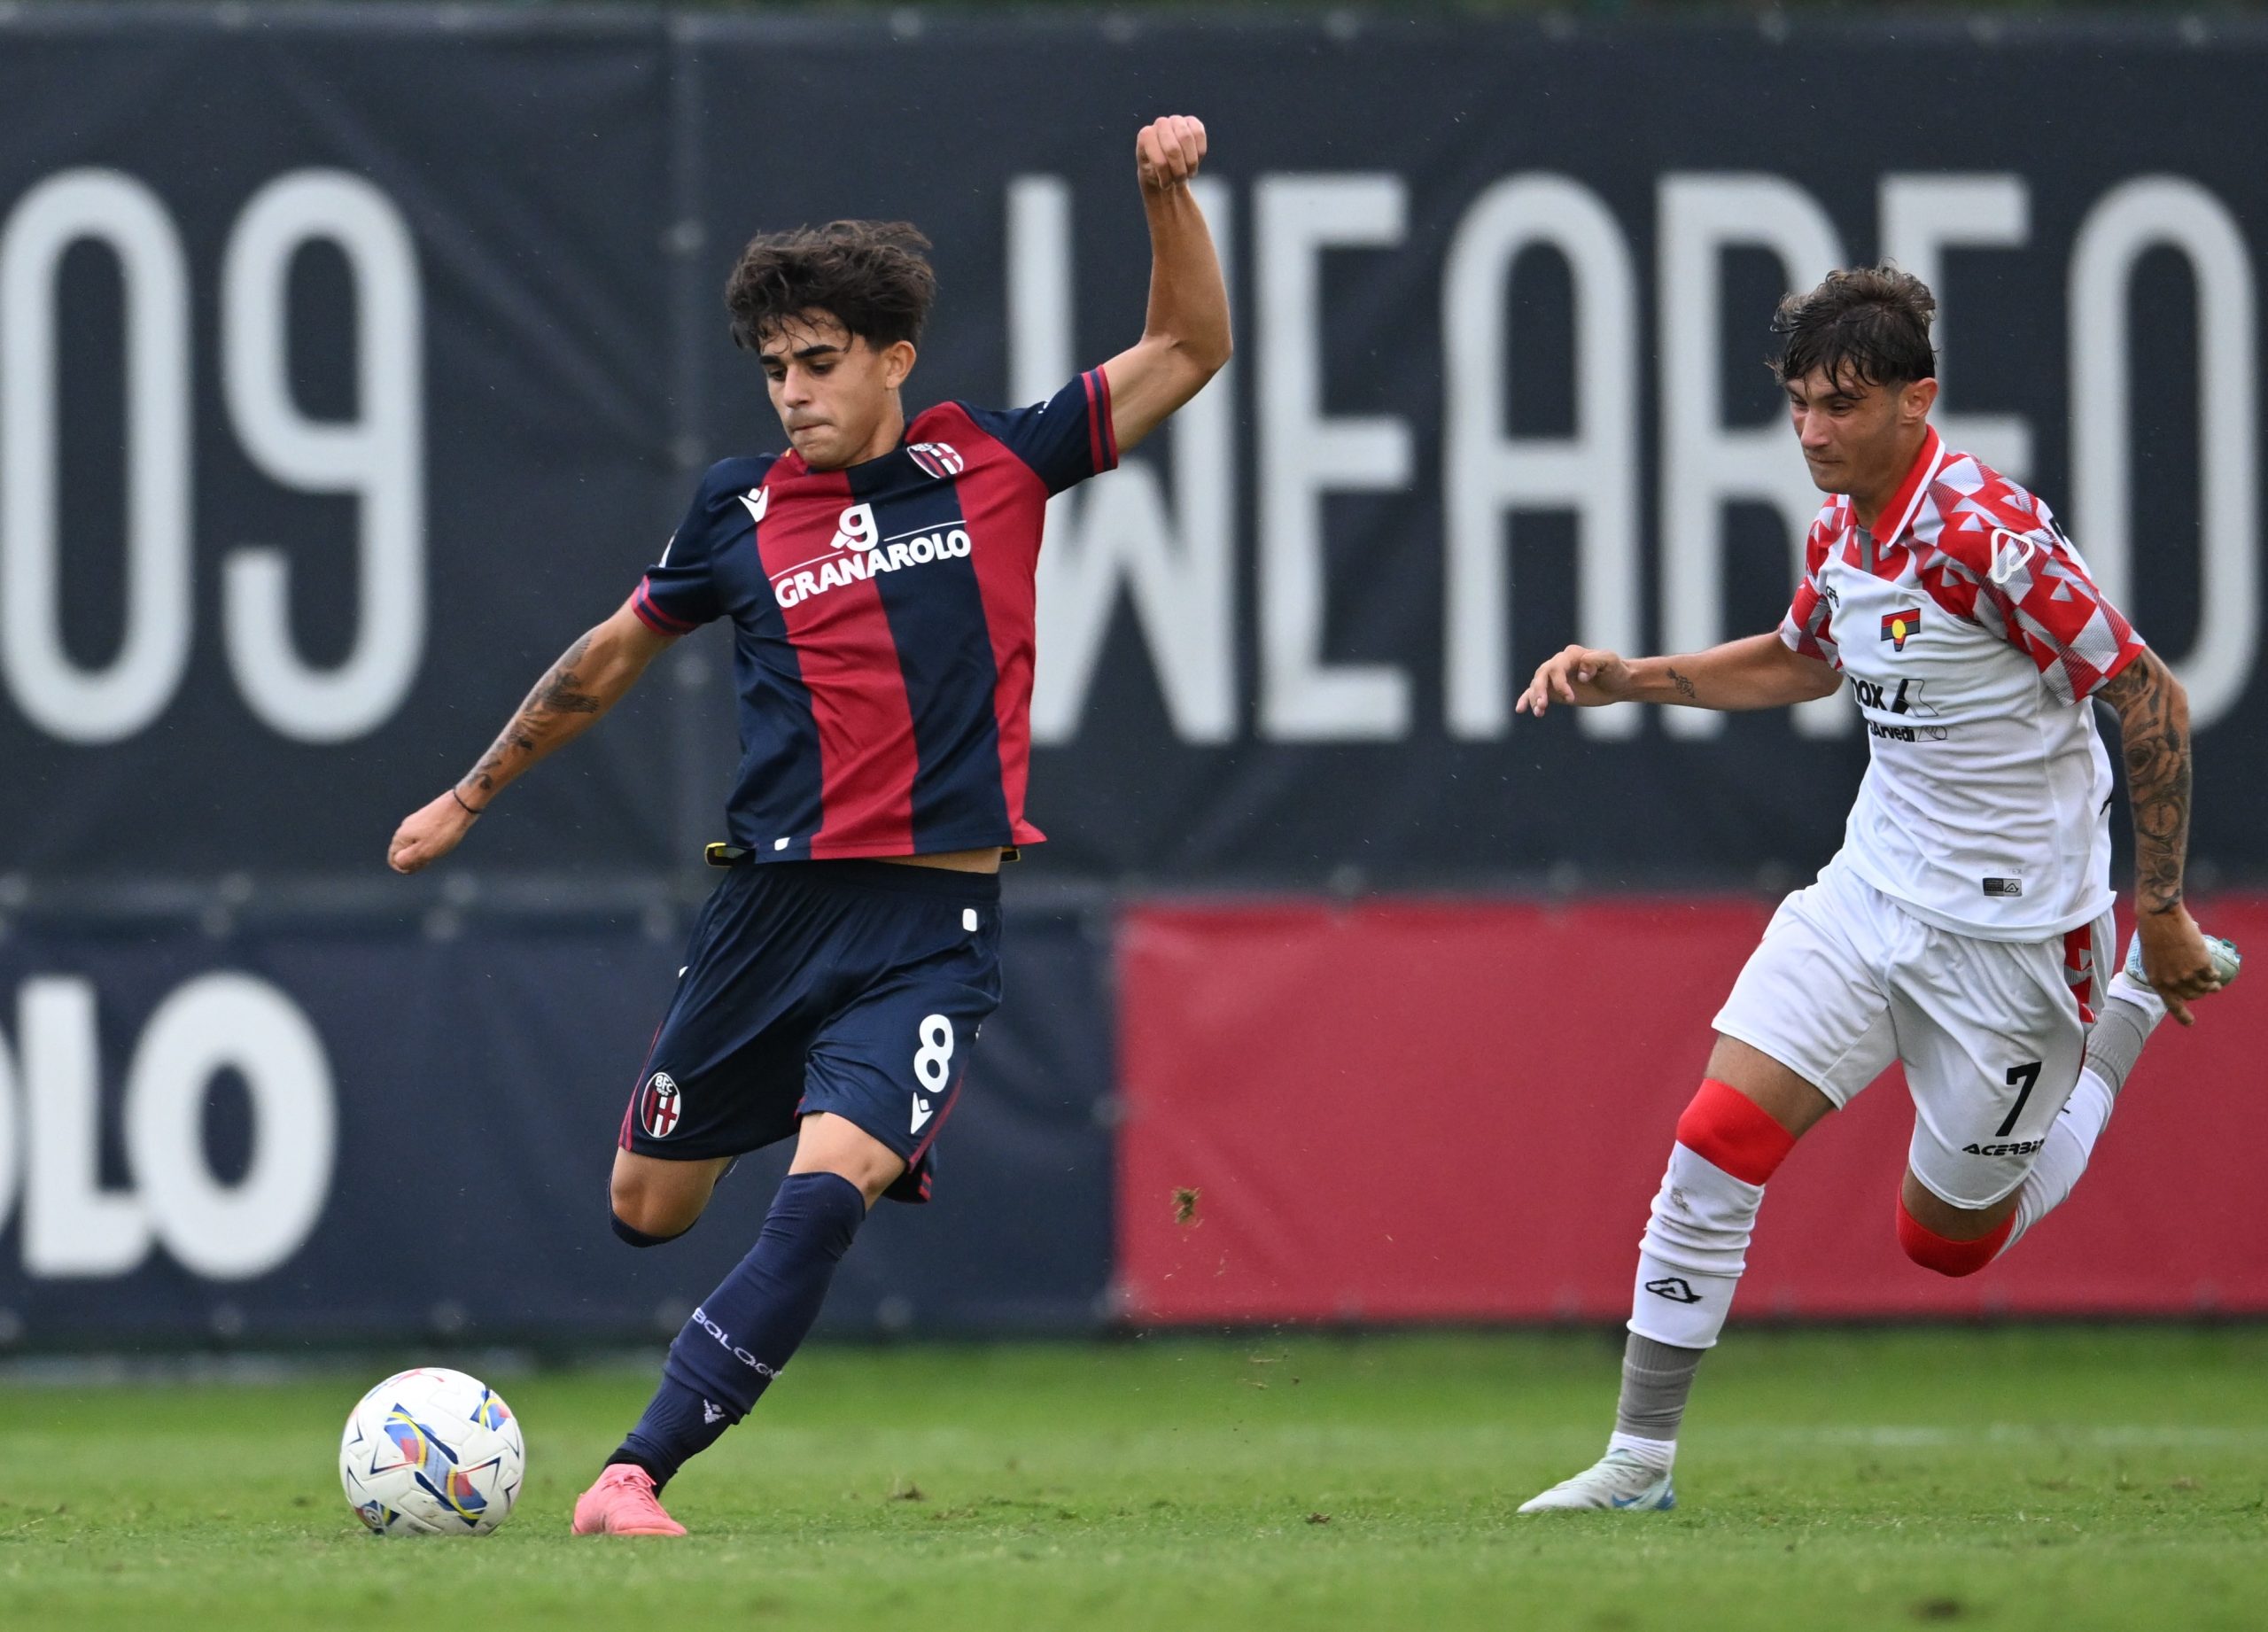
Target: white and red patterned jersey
{"x":1972,"y":636}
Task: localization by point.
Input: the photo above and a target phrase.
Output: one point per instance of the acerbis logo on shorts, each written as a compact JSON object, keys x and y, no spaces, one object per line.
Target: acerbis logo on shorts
{"x":660,"y":1106}
{"x":1676,"y":1288}
{"x":2014,"y":1147}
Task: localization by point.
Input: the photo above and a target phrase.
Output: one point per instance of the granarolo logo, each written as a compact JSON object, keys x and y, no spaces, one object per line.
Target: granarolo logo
{"x":658,"y":1107}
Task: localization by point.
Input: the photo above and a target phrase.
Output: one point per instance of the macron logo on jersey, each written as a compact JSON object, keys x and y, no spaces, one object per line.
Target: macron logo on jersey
{"x":758,"y":500}
{"x":865,"y":555}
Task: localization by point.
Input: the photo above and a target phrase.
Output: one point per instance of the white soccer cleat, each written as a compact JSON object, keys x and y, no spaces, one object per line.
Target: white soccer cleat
{"x":1617,"y":1482}
{"x":2227,"y":961}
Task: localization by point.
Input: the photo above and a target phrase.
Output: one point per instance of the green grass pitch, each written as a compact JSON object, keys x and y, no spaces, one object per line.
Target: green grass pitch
{"x":2040,"y":1478}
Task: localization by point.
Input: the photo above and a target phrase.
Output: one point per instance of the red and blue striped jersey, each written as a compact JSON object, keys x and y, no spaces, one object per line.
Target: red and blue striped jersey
{"x":883,"y":625}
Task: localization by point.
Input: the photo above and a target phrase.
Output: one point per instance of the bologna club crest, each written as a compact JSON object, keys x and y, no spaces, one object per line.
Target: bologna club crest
{"x":660,"y":1106}
{"x":939,"y":459}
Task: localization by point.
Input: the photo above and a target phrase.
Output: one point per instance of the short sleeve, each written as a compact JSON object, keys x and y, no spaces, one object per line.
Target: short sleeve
{"x":1809,"y":627}
{"x":676,"y":597}
{"x":1064,"y":440}
{"x":2031,"y":588}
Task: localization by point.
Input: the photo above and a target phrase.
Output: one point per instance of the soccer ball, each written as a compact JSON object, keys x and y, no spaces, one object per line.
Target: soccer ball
{"x":431,"y":1452}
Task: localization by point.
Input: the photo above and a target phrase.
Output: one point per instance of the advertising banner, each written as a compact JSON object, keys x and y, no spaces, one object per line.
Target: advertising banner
{"x":355,"y":360}
{"x":334,"y":376}
{"x":1502,"y":300}
{"x":299,"y":1134}
{"x":1426,"y":1111}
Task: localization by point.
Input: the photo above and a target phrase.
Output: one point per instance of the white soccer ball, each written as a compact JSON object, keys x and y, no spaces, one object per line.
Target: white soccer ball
{"x":431,"y":1452}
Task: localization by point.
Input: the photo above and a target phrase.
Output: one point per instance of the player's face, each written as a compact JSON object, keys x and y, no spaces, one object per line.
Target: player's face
{"x":835,"y":391}
{"x":1857,"y":438}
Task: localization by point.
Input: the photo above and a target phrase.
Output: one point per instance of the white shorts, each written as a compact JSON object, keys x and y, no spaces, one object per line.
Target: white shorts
{"x":1991,"y":1033}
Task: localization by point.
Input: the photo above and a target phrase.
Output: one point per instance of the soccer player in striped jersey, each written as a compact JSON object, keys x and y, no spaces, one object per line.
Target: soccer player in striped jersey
{"x":1965,"y":926}
{"x":879,"y":579}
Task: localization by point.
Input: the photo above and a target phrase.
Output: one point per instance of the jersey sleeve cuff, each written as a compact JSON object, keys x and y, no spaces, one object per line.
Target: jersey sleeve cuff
{"x":654,"y":617}
{"x":1101,"y":437}
{"x":2127,"y":653}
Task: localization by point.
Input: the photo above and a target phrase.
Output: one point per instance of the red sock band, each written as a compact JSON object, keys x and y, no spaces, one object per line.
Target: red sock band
{"x":1933,"y":1251}
{"x":1724,"y":1126}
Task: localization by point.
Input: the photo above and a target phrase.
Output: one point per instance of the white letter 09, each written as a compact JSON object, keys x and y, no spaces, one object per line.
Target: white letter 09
{"x":71,"y":703}
{"x":378,"y":456}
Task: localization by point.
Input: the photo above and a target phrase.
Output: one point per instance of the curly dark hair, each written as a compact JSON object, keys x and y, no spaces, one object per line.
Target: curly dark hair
{"x":870,"y":275}
{"x":1864,"y":325}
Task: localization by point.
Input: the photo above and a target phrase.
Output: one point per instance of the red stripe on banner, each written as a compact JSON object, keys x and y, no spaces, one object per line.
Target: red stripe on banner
{"x":1460,"y":1110}
{"x":1006,"y":505}
{"x":850,"y":664}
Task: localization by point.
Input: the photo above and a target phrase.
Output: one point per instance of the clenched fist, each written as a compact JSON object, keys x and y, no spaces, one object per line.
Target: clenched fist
{"x":1168,"y":151}
{"x":426,"y":836}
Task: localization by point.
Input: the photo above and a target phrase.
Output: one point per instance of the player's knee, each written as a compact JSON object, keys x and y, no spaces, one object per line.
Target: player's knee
{"x":1944,"y":1255}
{"x":643,"y":1218}
{"x":1726,"y":1128}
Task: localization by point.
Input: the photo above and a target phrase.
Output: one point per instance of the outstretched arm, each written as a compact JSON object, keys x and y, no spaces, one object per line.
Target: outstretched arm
{"x":1185,"y":332}
{"x":589,"y":678}
{"x":1761,"y":672}
{"x":2154,"y":733}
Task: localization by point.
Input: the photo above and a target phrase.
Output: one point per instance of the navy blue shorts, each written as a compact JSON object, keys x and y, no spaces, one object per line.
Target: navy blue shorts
{"x":854,"y":987}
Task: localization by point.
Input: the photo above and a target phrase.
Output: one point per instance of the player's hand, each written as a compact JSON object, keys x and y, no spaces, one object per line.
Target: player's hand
{"x":2175,"y":960}
{"x":1582,"y":676}
{"x":426,"y":836}
{"x":1167,"y":151}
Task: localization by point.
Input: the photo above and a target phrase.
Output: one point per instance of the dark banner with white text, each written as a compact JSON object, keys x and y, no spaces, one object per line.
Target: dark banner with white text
{"x":290,"y":1134}
{"x":354,"y":360}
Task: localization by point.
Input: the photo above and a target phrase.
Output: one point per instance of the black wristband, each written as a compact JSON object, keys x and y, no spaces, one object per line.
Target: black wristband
{"x":462,"y":805}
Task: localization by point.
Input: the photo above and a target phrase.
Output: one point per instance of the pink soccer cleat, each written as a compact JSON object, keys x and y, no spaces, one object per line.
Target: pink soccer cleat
{"x":623,"y":1503}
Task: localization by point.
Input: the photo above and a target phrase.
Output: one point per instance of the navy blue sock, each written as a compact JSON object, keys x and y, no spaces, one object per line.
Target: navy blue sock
{"x":740,"y":1339}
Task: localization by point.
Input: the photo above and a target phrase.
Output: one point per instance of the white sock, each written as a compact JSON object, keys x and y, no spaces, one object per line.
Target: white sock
{"x":1695,"y":1247}
{"x":2113,"y":1046}
{"x":1656,"y":1454}
{"x":2063,"y":1154}
{"x":2124,"y":988}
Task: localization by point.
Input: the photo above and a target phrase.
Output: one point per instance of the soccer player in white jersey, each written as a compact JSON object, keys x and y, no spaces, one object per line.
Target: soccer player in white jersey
{"x":1963,"y":926}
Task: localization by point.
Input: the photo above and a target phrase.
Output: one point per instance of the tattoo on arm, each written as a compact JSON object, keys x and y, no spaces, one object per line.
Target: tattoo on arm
{"x":2154,"y":735}
{"x":558,"y":699}
{"x":1684,"y":686}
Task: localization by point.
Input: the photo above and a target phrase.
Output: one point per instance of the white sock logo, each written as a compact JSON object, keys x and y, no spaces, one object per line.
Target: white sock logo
{"x":711,"y":1411}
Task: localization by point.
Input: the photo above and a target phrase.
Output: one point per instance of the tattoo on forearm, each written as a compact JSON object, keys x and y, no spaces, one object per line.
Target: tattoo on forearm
{"x":557,"y":698}
{"x":1684,"y":686}
{"x":2153,"y":736}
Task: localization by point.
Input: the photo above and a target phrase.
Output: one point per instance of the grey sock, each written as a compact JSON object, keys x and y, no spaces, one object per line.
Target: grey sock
{"x":2115,"y":1040}
{"x":1655,"y":1379}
